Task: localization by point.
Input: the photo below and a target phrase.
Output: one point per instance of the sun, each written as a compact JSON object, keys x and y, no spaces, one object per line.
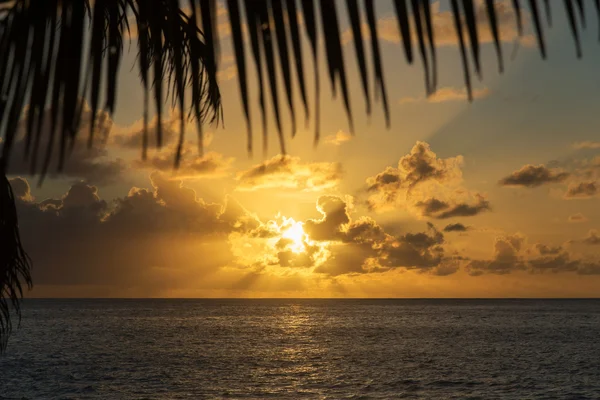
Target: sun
{"x":296,"y":234}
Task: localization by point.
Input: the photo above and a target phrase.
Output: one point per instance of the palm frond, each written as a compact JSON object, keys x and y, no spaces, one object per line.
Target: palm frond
{"x":15,"y":265}
{"x":56,"y":54}
{"x":417,"y":34}
{"x":45,"y":65}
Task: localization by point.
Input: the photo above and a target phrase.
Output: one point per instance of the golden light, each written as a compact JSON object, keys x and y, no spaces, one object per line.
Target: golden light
{"x":296,"y":234}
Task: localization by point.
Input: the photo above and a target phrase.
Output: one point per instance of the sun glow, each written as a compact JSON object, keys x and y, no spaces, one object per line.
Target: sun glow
{"x":295,"y":233}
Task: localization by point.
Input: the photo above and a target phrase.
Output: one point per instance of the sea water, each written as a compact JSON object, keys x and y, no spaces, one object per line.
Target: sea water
{"x":321,"y":349}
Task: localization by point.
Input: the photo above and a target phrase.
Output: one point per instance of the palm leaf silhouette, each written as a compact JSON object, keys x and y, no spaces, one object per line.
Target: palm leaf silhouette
{"x":56,"y":54}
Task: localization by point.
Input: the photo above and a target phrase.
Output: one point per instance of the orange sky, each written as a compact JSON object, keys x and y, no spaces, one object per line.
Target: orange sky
{"x":492,"y":199}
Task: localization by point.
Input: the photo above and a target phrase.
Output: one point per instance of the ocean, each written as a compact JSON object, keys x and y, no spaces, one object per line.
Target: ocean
{"x":314,"y":349}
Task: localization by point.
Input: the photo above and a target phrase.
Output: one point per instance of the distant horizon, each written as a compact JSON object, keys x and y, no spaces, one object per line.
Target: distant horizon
{"x":312,"y":298}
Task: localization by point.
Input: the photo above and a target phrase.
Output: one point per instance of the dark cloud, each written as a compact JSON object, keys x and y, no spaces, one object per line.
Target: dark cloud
{"x":505,"y":258}
{"x":387,"y":184}
{"x":579,"y":217}
{"x":286,"y":257}
{"x":422,"y":164}
{"x":442,"y":210}
{"x":335,"y":214}
{"x":420,"y":250}
{"x":290,"y":172}
{"x":362,"y":246}
{"x":21,"y":189}
{"x":210,"y":165}
{"x":364,"y":231}
{"x":592,"y":238}
{"x":533,"y":176}
{"x":419,"y":166}
{"x":93,"y":164}
{"x":418,"y":174}
{"x":558,"y":259}
{"x":153,"y":239}
{"x":544,"y":249}
{"x":132,"y":137}
{"x":510,"y":255}
{"x":582,"y":190}
{"x":458,"y":227}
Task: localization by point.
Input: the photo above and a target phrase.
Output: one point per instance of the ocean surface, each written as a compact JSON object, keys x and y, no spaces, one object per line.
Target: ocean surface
{"x":317,"y":349}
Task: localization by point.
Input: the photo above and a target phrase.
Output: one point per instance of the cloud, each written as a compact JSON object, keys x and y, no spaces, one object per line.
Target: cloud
{"x":337,"y":244}
{"x":426,"y":185}
{"x":150,"y":241}
{"x":132,"y":136}
{"x":505,"y":257}
{"x":362,"y":246}
{"x":338,"y":138}
{"x":227,"y":73}
{"x":291,"y":173}
{"x":441,"y":210}
{"x":533,"y":176}
{"x":510,"y":255}
{"x":335,"y":214}
{"x":446,"y":94}
{"x":592,"y":238}
{"x":582,"y":190}
{"x":579,"y":217}
{"x":210,"y":165}
{"x":586,"y":145}
{"x":458,"y":227}
{"x":93,"y":164}
{"x":420,"y":165}
{"x":21,"y":189}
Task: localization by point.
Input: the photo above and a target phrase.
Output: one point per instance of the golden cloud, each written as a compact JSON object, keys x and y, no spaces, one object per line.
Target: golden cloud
{"x":446,"y":94}
{"x":287,"y":172}
{"x":511,"y":254}
{"x":338,"y":138}
{"x":192,"y":166}
{"x":426,"y":185}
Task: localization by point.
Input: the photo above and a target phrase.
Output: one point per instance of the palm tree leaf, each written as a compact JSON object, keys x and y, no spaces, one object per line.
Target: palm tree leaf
{"x":284,"y":61}
{"x":354,"y":14}
{"x":335,"y":56}
{"x":535,"y":14}
{"x":267,"y":43}
{"x":518,"y":16}
{"x":416,"y":8}
{"x":461,"y":43}
{"x":431,"y":40}
{"x":597,"y":3}
{"x":43,"y":45}
{"x":470,"y":22}
{"x":254,"y":31}
{"x":308,"y":8}
{"x":404,"y":27}
{"x":379,"y":80}
{"x":238,"y":47}
{"x":491,"y":11}
{"x":573,"y":25}
{"x":15,"y":264}
{"x":548,"y":12}
{"x":581,"y":10}
{"x":292,"y":15}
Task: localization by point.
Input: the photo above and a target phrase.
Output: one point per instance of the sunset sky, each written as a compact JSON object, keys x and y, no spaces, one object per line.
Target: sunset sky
{"x":497,"y":198}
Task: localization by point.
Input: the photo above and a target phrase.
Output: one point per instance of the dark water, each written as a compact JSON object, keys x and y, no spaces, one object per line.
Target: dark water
{"x":195,"y":349}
